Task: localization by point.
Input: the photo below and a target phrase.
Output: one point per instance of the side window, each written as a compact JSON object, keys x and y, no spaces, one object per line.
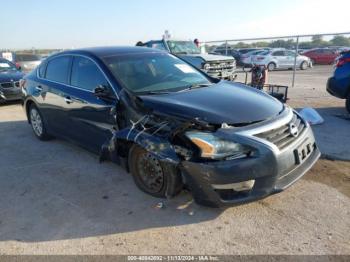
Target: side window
{"x":290,"y":53}
{"x":158,"y":45}
{"x":57,"y":69}
{"x":41,"y":70}
{"x":86,"y":75}
{"x":278,"y":53}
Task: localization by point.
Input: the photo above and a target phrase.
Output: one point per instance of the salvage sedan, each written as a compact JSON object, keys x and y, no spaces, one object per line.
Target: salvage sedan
{"x":169,"y":124}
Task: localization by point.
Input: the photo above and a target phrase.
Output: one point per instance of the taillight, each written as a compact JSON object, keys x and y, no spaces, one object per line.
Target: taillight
{"x":22,"y":83}
{"x":343,"y":61}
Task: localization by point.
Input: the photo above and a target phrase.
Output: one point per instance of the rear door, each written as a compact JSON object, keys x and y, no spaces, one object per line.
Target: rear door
{"x":50,"y":92}
{"x":91,"y":118}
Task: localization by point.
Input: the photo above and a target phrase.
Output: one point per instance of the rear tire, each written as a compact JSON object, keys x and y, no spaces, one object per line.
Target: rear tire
{"x":347,"y":104}
{"x":271,"y":66}
{"x":303,"y":65}
{"x":38,"y":124}
{"x":152,"y":176}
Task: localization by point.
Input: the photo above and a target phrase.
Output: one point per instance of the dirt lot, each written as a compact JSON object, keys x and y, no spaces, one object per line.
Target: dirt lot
{"x":57,"y":199}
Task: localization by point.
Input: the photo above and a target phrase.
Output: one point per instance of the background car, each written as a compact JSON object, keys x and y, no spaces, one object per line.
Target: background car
{"x":9,"y":81}
{"x":339,"y":84}
{"x":324,"y":56}
{"x":247,"y":58}
{"x":281,"y":59}
{"x":26,"y":62}
{"x":217,"y":66}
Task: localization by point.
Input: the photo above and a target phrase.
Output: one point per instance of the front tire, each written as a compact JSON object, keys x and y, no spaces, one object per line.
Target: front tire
{"x":37,"y":123}
{"x":152,"y":176}
{"x":303,"y":65}
{"x":271,"y":66}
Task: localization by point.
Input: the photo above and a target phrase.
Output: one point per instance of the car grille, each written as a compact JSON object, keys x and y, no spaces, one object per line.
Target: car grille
{"x":219,"y":66}
{"x":282,"y":136}
{"x":10,"y":84}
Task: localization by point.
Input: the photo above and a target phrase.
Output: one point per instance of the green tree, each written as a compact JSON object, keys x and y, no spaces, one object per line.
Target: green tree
{"x":317,"y":40}
{"x":340,"y":40}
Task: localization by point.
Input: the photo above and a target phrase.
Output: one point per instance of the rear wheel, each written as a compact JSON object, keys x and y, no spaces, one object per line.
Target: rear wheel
{"x":271,"y":66}
{"x":152,"y":176}
{"x":304,"y":65}
{"x":37,"y":123}
{"x":347,"y":103}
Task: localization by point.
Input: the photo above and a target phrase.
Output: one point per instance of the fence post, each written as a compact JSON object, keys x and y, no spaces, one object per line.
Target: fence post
{"x":295,"y":60}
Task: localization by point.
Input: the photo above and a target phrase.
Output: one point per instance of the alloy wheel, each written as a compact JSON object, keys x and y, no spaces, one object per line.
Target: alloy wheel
{"x":36,"y":121}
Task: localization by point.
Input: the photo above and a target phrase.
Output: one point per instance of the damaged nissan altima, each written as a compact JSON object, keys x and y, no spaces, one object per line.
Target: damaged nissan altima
{"x":169,"y":124}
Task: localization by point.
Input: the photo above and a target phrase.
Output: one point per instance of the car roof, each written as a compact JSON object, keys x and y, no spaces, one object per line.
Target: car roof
{"x":111,"y":51}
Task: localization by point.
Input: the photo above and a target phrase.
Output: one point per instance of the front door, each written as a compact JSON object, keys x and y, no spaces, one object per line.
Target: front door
{"x":91,"y":118}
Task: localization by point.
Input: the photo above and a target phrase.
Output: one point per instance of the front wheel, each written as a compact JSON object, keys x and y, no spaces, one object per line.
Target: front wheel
{"x":347,"y":103}
{"x":304,"y":65}
{"x":37,"y":123}
{"x":151,"y":176}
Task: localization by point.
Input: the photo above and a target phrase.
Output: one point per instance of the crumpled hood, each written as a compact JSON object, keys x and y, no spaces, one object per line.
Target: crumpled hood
{"x":224,"y":102}
{"x":8,"y":76}
{"x":209,"y":57}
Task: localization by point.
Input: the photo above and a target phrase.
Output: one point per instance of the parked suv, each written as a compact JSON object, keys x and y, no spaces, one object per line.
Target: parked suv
{"x":170,"y":124}
{"x":217,"y":66}
{"x":281,"y":59}
{"x":339,"y":84}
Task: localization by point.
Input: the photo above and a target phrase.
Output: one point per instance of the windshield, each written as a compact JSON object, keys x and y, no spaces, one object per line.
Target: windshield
{"x":4,"y":66}
{"x":154,"y":72}
{"x":183,"y":47}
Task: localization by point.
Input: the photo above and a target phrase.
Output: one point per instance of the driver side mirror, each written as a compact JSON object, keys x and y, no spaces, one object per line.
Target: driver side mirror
{"x":103,"y":91}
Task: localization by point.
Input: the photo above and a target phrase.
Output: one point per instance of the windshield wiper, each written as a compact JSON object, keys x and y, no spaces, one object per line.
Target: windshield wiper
{"x":194,"y":86}
{"x":155,"y":92}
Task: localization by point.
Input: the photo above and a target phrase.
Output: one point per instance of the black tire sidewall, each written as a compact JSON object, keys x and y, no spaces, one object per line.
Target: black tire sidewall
{"x":303,"y":65}
{"x":347,"y":103}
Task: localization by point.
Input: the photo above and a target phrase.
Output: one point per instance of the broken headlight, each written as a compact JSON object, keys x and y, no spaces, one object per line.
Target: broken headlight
{"x":217,"y":148}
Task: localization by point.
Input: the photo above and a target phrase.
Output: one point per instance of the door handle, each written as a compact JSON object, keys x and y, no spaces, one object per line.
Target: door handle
{"x":38,"y":88}
{"x":68,"y":100}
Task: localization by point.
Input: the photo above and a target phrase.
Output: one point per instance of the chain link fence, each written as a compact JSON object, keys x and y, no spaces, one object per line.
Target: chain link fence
{"x":330,"y":43}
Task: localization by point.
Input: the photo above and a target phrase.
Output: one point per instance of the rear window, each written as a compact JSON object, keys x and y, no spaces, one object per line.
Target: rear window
{"x":57,"y":69}
{"x":26,"y":57}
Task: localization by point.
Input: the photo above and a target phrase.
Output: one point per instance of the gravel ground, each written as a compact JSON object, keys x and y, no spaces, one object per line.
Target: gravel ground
{"x":57,"y":199}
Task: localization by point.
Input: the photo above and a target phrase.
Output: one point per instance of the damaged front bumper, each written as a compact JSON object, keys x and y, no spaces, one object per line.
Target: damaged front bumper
{"x":269,"y":170}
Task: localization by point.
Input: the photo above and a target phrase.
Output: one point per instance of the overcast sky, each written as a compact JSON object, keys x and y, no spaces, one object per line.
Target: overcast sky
{"x":81,"y":23}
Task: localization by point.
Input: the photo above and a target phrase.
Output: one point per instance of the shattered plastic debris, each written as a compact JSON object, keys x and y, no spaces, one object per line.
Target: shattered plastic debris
{"x":191,"y":213}
{"x":311,"y":116}
{"x":160,"y":205}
